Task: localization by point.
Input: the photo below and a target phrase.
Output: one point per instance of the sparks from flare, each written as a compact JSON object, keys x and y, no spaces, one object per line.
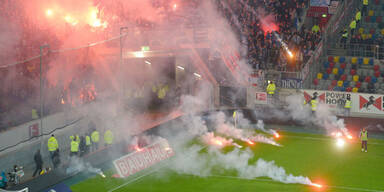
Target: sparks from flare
{"x":316,"y":185}
{"x":277,"y":135}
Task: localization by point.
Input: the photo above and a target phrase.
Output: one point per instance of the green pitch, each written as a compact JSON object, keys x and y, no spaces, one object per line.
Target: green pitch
{"x":311,"y":155}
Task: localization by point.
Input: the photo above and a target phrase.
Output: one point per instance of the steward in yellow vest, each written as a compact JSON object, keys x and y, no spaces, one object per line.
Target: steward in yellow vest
{"x":108,"y":137}
{"x":364,"y":139}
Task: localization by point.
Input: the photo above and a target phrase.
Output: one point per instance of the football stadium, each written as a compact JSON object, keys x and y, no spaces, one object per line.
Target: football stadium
{"x":191,"y":95}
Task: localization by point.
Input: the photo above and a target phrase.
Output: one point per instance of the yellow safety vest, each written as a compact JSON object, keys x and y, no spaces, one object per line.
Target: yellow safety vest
{"x":315,"y":28}
{"x":77,"y":139}
{"x":87,"y":140}
{"x":364,"y":136}
{"x":345,"y":34}
{"x":353,"y":24}
{"x":74,"y":146}
{"x":358,"y":16}
{"x":271,"y":88}
{"x":314,"y":104}
{"x":234,"y":114}
{"x":365,"y":2}
{"x":34,"y":114}
{"x":52,"y":144}
{"x":108,"y":137}
{"x":348,"y":104}
{"x":95,"y":136}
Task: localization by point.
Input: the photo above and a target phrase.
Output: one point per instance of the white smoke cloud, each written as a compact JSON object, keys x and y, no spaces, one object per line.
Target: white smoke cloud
{"x":200,"y":164}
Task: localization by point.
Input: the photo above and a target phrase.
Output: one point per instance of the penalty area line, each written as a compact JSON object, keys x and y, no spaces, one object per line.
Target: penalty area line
{"x":272,"y":181}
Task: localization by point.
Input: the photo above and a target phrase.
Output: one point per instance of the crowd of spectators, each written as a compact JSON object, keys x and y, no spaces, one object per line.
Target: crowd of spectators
{"x":265,"y":51}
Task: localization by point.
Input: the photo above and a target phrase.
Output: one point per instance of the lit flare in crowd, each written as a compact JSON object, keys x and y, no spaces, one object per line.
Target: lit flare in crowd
{"x":49,"y":12}
{"x":137,"y":148}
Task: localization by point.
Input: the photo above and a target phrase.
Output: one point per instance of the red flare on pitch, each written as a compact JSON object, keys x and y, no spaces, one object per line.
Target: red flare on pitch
{"x":349,"y":137}
{"x":250,"y":142}
{"x":277,"y":135}
{"x":137,"y":148}
{"x":317,"y":185}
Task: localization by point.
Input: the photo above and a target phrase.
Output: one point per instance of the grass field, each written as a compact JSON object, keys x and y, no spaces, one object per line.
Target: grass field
{"x":311,"y":155}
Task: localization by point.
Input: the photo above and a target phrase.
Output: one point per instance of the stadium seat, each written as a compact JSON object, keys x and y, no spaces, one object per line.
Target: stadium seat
{"x":372,"y":31}
{"x":342,"y":59}
{"x":337,"y":65}
{"x":348,"y":89}
{"x":326,"y":64}
{"x":356,"y":78}
{"x":355,"y":90}
{"x":330,"y":59}
{"x":345,"y":83}
{"x":365,"y":61}
{"x":364,"y":85}
{"x":374,"y":80}
{"x":376,"y":67}
{"x":378,"y":19}
{"x":334,"y":83}
{"x":315,"y":81}
{"x":377,"y":2}
{"x":331,"y":76}
{"x":343,"y":65}
{"x":380,"y":79}
{"x":349,"y":77}
{"x":371,"y":61}
{"x":382,"y":31}
{"x":373,"y":19}
{"x":358,"y":84}
{"x":352,"y":84}
{"x":331,"y":65}
{"x":353,"y":71}
{"x":359,"y":72}
{"x":354,"y":60}
{"x":319,"y":75}
{"x":367,"y":19}
{"x":377,"y":74}
{"x":377,"y":86}
{"x":335,"y":71}
{"x":340,"y":83}
{"x":360,"y":61}
{"x":342,"y":89}
{"x":347,"y":71}
{"x":325,"y":76}
{"x":329,"y":71}
{"x":343,"y":77}
{"x":361,"y":30}
{"x":336,"y":59}
{"x":370,"y":13}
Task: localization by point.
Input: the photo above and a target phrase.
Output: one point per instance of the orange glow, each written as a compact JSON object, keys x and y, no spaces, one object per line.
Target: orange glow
{"x":93,"y":19}
{"x":250,"y":142}
{"x":137,"y":148}
{"x":62,"y":101}
{"x":174,"y":6}
{"x":219,"y":142}
{"x":349,"y":137}
{"x":317,"y":185}
{"x":277,"y":135}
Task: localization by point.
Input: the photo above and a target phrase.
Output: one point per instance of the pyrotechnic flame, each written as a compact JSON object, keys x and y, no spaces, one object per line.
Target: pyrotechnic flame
{"x":277,"y":135}
{"x":218,"y":142}
{"x":69,"y":19}
{"x":137,"y":148}
{"x":349,"y":137}
{"x":340,"y":142}
{"x":174,"y":6}
{"x":250,"y":142}
{"x":289,"y":53}
{"x":316,"y":185}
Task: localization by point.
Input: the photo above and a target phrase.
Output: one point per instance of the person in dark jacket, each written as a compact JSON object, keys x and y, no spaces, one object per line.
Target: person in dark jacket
{"x":38,"y":162}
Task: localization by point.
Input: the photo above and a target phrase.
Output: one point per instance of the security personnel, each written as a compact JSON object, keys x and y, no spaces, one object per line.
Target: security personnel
{"x":74,"y":148}
{"x":314,"y":103}
{"x":77,"y":138}
{"x":234,"y":117}
{"x":53,"y":146}
{"x":344,"y":37}
{"x":315,"y":28}
{"x":352,"y":26}
{"x":364,"y":139}
{"x":271,"y":88}
{"x":358,"y":16}
{"x":87,"y":143}
{"x":108,"y":137}
{"x":95,"y":140}
{"x":348,"y":105}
